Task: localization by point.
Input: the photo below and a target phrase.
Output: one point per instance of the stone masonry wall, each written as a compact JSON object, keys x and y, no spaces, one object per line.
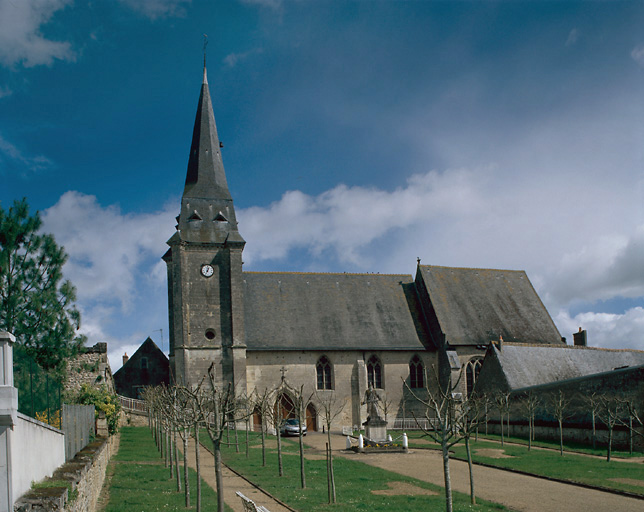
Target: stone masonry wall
{"x":86,"y":473}
{"x":91,"y":367}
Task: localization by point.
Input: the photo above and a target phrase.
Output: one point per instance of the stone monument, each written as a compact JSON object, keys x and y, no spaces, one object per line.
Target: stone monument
{"x":375,"y":426}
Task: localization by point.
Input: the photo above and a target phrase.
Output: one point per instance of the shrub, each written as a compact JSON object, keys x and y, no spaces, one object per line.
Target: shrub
{"x":103,"y":401}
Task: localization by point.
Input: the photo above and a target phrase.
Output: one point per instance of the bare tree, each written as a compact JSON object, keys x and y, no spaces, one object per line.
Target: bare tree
{"x":559,"y":404}
{"x":471,"y":414}
{"x":301,"y":400}
{"x":331,"y":407}
{"x":218,"y":408}
{"x":529,"y":404}
{"x":610,"y":412}
{"x":245,"y":407}
{"x":263,"y":406}
{"x":592,"y":402}
{"x":443,"y":411}
{"x":276,"y":416}
{"x":195,"y":419}
{"x":633,"y":423}
{"x":502,"y":403}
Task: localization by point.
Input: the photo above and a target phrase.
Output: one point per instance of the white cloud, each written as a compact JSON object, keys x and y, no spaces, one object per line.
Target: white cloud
{"x":20,"y":38}
{"x":638,"y":54}
{"x":232,"y":59}
{"x":607,"y":330}
{"x":271,"y":4}
{"x":573,"y":37}
{"x":10,"y":154}
{"x":155,"y":9}
{"x":347,"y":220}
{"x":110,"y":254}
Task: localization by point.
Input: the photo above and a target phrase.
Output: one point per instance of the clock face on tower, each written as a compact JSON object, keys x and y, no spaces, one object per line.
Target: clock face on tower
{"x":207,"y":270}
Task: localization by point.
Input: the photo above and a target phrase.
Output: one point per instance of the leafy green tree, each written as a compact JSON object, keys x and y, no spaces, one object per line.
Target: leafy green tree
{"x":36,"y":303}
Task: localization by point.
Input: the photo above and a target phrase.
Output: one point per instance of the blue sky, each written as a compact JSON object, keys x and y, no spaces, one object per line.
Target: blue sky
{"x":358,"y":136}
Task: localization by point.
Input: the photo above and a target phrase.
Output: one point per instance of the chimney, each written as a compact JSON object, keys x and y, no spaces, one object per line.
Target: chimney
{"x":125,"y":358}
{"x":580,"y":338}
{"x":501,"y":343}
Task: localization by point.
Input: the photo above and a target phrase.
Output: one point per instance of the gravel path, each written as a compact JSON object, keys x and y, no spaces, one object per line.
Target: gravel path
{"x":232,"y":483}
{"x":518,"y":492}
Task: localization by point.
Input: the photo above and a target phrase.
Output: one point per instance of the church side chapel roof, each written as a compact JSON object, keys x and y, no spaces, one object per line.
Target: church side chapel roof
{"x":531,"y":365}
{"x":301,"y":311}
{"x":475,"y":306}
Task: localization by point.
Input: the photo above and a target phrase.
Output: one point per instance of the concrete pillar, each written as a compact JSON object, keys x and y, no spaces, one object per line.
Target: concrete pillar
{"x":8,"y":418}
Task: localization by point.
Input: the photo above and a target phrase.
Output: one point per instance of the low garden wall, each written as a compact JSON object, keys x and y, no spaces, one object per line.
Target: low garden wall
{"x":576,"y":434}
{"x":37,"y":449}
{"x":84,"y":476}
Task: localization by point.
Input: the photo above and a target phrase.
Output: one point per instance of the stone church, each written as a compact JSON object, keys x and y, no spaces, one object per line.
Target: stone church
{"x":331,"y":333}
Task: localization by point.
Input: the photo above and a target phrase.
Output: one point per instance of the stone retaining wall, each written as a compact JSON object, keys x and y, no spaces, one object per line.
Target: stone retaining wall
{"x":85,"y":473}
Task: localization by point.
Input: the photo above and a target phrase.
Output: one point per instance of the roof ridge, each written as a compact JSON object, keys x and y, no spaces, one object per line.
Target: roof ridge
{"x":475,"y":268}
{"x":576,"y":347}
{"x":324,"y":273}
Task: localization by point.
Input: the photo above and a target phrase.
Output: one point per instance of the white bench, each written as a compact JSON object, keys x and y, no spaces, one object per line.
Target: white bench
{"x":250,"y":505}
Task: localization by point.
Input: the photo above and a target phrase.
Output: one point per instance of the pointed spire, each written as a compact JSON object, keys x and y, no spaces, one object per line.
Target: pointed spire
{"x":206,"y":176}
{"x":207,"y":211}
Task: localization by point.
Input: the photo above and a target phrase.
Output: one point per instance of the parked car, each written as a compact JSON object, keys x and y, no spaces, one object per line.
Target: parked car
{"x":292,"y":428}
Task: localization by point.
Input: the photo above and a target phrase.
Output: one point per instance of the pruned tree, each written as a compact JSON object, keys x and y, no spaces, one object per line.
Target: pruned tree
{"x":275,"y":414}
{"x":301,"y":400}
{"x":168,"y":401}
{"x":190,"y":398}
{"x":559,"y":404}
{"x":592,"y":402}
{"x":529,"y":404}
{"x":444,"y":412}
{"x":633,"y":422}
{"x":245,"y":407}
{"x":330,"y":406}
{"x":262,"y":403}
{"x":610,"y":412}
{"x":387,"y":405}
{"x":217,"y":407}
{"x":502,"y":403}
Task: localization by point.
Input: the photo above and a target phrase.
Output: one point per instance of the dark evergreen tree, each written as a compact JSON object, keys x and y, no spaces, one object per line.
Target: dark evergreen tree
{"x":36,"y":303}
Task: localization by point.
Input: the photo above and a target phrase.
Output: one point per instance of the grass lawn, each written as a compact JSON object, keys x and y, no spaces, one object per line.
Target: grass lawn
{"x":139,"y":482}
{"x":355,"y":482}
{"x":617,"y":474}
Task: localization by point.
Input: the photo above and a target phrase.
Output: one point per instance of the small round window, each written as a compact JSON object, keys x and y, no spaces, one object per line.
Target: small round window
{"x":210,"y":334}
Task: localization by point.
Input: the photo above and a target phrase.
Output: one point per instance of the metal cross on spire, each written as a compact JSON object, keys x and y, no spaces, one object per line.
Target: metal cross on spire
{"x":205,"y":43}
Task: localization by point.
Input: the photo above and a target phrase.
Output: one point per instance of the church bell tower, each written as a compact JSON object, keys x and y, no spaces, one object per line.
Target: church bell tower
{"x":205,"y":301}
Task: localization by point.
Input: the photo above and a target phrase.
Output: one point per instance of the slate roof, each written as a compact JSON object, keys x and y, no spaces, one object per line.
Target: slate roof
{"x":300,"y":311}
{"x":529,"y":365}
{"x":475,"y":306}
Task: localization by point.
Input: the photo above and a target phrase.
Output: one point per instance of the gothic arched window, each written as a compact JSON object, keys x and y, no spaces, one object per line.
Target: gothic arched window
{"x":374,"y":372}
{"x":472,"y":373}
{"x":323,"y":371}
{"x":416,"y":373}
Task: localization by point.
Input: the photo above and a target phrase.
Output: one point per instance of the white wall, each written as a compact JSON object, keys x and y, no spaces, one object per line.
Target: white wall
{"x":37,"y":450}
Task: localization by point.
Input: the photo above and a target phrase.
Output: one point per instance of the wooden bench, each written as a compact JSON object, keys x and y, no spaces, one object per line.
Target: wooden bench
{"x":250,"y":505}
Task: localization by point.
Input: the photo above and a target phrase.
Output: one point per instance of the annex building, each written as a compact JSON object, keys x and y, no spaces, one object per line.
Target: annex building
{"x":331,"y":333}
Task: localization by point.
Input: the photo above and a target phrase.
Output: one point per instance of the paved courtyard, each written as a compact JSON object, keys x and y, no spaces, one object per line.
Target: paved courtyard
{"x":518,"y":492}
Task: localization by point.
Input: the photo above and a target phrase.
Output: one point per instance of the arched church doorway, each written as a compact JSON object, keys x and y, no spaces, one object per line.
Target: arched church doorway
{"x":284,"y":407}
{"x":257,"y":420}
{"x":311,"y":418}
